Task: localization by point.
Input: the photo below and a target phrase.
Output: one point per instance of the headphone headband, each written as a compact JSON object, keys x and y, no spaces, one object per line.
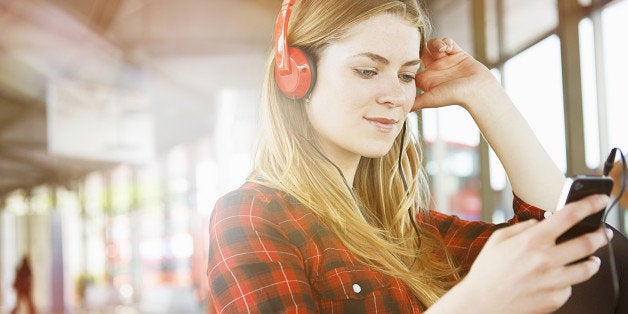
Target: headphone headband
{"x":281,"y":38}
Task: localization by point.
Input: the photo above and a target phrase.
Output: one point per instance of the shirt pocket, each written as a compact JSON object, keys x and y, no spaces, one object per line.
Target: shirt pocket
{"x":349,"y":283}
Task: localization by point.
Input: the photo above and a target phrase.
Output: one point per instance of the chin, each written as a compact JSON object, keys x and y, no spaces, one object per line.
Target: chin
{"x":376,"y":152}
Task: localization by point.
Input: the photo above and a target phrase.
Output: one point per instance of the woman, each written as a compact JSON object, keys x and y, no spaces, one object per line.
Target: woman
{"x":23,"y":285}
{"x":334,"y":215}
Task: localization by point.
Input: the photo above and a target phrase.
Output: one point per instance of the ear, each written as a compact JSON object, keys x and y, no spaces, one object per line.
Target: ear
{"x":302,"y":75}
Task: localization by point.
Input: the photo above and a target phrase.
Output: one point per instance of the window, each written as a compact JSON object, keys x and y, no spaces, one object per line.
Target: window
{"x":533,"y":79}
{"x":615,"y":23}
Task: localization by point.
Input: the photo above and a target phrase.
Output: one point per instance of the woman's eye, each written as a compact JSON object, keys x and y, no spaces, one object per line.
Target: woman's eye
{"x":366,"y":73}
{"x":407,"y":78}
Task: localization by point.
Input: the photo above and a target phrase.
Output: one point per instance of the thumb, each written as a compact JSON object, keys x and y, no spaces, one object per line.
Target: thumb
{"x":429,"y":99}
{"x":421,"y":101}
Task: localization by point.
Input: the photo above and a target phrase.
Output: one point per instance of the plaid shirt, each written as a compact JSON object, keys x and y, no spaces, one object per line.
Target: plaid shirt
{"x":268,"y":253}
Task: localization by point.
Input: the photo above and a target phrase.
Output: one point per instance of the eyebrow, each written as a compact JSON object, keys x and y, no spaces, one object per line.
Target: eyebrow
{"x":377,"y":58}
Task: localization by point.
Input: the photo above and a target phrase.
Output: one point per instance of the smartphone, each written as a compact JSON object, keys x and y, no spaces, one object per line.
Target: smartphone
{"x":578,"y":188}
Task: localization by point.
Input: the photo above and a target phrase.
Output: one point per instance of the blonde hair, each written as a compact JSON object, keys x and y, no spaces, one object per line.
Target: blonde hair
{"x":374,"y":224}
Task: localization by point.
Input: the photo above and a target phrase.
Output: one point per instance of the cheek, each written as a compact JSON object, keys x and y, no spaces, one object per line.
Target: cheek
{"x":342,"y":96}
{"x":409,"y":103}
{"x":324,"y":116}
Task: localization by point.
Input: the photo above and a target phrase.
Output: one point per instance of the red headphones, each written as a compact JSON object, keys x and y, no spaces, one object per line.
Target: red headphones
{"x":294,"y":68}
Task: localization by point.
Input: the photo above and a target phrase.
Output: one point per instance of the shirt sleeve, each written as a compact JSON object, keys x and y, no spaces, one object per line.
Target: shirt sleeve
{"x":252,"y":266}
{"x":465,"y":239}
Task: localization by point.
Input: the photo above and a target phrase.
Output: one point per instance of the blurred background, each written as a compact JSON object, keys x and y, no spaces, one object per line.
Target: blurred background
{"x":122,"y":122}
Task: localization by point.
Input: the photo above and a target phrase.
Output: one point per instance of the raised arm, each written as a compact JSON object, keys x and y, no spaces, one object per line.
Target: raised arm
{"x":452,"y":76}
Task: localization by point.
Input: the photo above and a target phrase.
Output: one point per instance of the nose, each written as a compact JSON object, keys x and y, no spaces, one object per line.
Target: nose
{"x":391,"y":93}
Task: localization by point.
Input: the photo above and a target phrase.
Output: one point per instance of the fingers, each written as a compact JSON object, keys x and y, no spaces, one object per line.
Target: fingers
{"x":511,"y":231}
{"x":579,"y":272}
{"x":546,"y":232}
{"x":571,"y":214}
{"x":426,"y":100}
{"x":438,"y":48}
{"x":452,"y":46}
{"x":443,"y":46}
{"x":582,"y":246}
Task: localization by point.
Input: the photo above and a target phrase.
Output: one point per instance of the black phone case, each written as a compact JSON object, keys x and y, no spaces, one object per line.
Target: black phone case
{"x":581,"y":187}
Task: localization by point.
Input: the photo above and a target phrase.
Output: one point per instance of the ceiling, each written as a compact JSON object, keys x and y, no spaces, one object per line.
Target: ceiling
{"x":176,"y":56}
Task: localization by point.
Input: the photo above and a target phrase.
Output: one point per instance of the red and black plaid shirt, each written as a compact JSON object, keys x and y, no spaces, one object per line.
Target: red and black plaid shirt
{"x":268,"y":253}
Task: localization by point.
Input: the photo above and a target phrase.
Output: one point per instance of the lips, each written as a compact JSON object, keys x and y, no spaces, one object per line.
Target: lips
{"x":382,"y":124}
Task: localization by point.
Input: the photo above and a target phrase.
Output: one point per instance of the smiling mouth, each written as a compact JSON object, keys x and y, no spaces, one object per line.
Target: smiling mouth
{"x":383,"y":124}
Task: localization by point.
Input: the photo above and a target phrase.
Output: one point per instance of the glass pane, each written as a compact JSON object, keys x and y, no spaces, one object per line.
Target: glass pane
{"x":498,"y":178}
{"x":589,"y":95}
{"x":533,"y":79}
{"x":615,"y":23}
{"x":453,"y":19}
{"x":525,"y":21}
{"x":451,"y":139}
{"x":492,"y":30}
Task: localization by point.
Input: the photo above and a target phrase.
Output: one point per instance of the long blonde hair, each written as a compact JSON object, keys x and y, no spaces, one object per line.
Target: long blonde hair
{"x":374,"y":223}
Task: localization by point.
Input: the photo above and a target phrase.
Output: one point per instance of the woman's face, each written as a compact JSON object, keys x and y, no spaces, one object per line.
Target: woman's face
{"x":365,"y":88}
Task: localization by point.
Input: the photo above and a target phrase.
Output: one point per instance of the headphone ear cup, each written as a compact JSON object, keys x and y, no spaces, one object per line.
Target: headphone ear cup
{"x":302,"y":77}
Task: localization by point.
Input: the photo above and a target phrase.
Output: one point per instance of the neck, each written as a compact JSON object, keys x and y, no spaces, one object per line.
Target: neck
{"x":348,"y":172}
{"x":346,"y":165}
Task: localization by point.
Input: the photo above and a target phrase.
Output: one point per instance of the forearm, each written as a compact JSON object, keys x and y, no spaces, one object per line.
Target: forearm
{"x":454,"y":77}
{"x":534,"y":176}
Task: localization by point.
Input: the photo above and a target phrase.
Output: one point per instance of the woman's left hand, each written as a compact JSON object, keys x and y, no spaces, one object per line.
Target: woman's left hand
{"x":452,"y":76}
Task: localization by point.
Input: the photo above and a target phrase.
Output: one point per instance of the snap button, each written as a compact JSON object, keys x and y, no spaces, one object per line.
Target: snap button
{"x":356,"y":288}
{"x":547,"y":214}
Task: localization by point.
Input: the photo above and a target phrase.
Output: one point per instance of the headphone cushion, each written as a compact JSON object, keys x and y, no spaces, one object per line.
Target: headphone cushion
{"x":300,"y":81}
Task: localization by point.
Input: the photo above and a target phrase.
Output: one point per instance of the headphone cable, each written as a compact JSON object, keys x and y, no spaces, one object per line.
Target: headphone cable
{"x":608,"y":165}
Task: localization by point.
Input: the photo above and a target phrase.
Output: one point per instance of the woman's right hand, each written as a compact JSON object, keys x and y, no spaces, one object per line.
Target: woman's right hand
{"x":521,"y":269}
